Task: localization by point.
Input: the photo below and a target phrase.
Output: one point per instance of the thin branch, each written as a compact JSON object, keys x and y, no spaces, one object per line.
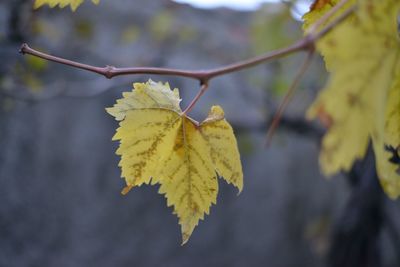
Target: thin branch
{"x":301,"y":45}
{"x":108,"y":71}
{"x":288,"y":97}
{"x":204,"y":76}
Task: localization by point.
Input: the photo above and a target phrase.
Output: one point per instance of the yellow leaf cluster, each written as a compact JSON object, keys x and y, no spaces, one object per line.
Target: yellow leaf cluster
{"x":61,"y":3}
{"x":161,"y":145}
{"x":361,"y":101}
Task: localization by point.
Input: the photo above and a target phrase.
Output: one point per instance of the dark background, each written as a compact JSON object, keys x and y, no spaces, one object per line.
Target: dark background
{"x":60,"y":201}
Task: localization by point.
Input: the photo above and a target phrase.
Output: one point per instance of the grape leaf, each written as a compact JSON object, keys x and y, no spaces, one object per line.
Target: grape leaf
{"x":361,"y":99}
{"x":61,"y":3}
{"x":161,"y":145}
{"x":389,"y":170}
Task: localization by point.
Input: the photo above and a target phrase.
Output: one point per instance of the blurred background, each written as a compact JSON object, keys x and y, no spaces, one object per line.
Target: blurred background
{"x":60,"y":201}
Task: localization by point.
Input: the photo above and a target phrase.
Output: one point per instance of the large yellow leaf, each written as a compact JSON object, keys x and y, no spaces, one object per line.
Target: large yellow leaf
{"x":360,"y":101}
{"x":61,"y":3}
{"x":389,"y":170}
{"x":161,"y":145}
{"x":320,"y":8}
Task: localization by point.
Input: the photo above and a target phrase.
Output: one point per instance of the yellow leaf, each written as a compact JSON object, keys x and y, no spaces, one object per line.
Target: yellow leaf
{"x":389,"y":171}
{"x":319,"y":8}
{"x":219,"y":136}
{"x":320,"y":4}
{"x":360,"y":100}
{"x":61,"y":3}
{"x":161,"y":145}
{"x":145,"y":96}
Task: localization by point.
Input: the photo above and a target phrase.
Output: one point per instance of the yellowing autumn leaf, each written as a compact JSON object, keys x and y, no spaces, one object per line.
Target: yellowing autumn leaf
{"x":161,"y":145}
{"x":61,"y":3}
{"x":361,"y":100}
{"x":389,"y":170}
{"x":319,"y":8}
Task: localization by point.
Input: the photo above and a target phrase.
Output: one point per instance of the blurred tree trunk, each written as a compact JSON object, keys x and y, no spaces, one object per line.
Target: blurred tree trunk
{"x":355,"y":238}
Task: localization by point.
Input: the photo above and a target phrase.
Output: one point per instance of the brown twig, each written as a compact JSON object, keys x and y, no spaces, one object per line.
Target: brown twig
{"x":204,"y":76}
{"x":286,"y":100}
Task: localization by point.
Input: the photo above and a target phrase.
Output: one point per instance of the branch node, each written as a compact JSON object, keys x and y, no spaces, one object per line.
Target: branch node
{"x":203,"y":81}
{"x":109,"y":71}
{"x":309,"y":42}
{"x":23,"y":48}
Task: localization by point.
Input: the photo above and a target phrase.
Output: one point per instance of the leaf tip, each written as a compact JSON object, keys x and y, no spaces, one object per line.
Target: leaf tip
{"x":185,"y":238}
{"x":217,"y":111}
{"x":240,"y":189}
{"x":109,"y":110}
{"x":126,"y":189}
{"x":216,"y":114}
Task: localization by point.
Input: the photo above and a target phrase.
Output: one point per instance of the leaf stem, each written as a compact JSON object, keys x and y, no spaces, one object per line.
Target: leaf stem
{"x":203,"y":89}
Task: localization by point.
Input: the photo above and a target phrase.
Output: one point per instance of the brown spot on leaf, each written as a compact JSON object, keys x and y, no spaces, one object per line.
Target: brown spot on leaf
{"x":324,"y":117}
{"x":352,"y":99}
{"x":318,"y":4}
{"x":331,"y":42}
{"x":195,"y":207}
